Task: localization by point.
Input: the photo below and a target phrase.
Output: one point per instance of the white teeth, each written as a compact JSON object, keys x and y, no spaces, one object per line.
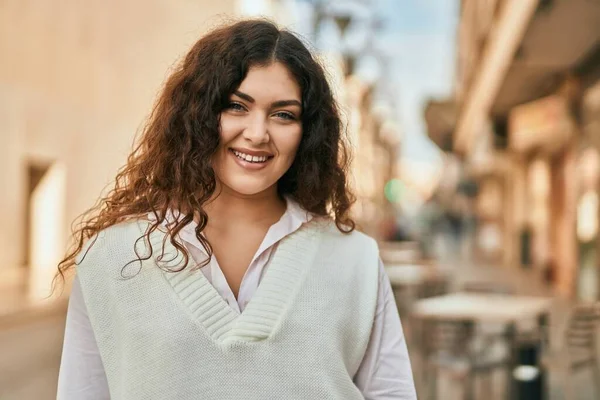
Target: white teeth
{"x":249,"y":158}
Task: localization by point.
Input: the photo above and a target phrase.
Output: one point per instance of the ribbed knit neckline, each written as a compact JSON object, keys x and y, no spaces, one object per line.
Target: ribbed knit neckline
{"x":292,"y":258}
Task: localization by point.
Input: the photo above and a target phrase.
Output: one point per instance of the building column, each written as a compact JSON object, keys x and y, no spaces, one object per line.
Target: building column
{"x":515,"y":210}
{"x":564,"y":212}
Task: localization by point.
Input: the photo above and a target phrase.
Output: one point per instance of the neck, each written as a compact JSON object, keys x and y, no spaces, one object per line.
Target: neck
{"x":229,"y":208}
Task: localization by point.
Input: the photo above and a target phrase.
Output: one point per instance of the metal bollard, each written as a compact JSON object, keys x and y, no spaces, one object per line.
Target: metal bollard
{"x":528,"y":377}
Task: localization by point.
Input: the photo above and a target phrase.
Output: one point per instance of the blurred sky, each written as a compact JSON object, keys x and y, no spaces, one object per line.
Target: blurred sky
{"x":419,"y":39}
{"x":421,"y":35}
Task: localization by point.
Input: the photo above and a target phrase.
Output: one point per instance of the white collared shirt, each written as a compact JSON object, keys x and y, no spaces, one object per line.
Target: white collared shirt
{"x":384,"y":373}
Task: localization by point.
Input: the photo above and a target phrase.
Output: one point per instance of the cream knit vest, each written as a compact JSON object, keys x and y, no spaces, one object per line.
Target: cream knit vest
{"x":165,"y":335}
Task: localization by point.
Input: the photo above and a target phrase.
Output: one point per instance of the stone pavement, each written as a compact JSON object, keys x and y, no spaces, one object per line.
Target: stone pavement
{"x":30,"y":347}
{"x":31,"y":334}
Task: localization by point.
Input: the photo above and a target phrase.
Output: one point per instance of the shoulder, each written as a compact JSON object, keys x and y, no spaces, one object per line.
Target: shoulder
{"x":115,"y":243}
{"x":349,"y":242}
{"x":352,"y":258}
{"x":329,"y":227}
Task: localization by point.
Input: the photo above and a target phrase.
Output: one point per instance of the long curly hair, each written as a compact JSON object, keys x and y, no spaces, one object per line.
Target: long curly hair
{"x":170,"y":166}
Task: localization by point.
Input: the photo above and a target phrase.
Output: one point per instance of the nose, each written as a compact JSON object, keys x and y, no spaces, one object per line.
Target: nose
{"x":257,"y":131}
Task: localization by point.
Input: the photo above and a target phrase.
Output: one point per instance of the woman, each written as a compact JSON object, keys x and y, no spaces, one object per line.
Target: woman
{"x":224,"y":264}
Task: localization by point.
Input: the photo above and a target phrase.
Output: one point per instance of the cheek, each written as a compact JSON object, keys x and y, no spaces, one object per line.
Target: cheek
{"x":227,"y":129}
{"x":290,"y":143}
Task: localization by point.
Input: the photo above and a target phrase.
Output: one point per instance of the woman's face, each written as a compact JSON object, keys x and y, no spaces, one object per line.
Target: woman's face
{"x":260,"y":132}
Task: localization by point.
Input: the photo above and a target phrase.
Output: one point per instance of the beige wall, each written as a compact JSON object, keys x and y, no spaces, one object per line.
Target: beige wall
{"x":76,"y":82}
{"x":477,"y":18}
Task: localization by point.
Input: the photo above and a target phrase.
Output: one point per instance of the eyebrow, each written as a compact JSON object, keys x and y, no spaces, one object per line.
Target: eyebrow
{"x":279,"y":103}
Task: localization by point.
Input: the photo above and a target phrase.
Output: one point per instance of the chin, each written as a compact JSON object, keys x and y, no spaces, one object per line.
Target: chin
{"x":246,"y":187}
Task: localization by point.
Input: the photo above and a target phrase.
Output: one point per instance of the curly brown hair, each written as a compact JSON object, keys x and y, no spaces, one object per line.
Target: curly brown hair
{"x":170,"y":167}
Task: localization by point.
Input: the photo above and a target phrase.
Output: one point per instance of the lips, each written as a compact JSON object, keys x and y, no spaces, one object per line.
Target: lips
{"x":251,"y":156}
{"x":251,"y":160}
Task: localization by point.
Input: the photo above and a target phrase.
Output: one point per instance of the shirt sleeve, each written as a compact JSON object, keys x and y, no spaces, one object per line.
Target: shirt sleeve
{"x":81,"y":373}
{"x":385,"y":372}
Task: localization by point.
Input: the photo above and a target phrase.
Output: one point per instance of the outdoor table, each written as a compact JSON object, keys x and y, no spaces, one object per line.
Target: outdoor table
{"x":396,"y":256}
{"x":407,"y":281}
{"x":486,"y":308}
{"x":399,"y":252}
{"x":409,"y":274}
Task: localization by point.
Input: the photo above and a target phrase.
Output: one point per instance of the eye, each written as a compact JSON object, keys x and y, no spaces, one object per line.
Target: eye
{"x":288,"y":116}
{"x":234,"y":106}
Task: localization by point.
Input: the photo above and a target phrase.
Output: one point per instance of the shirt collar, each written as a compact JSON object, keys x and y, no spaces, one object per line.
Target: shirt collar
{"x":294,"y":215}
{"x":296,"y":211}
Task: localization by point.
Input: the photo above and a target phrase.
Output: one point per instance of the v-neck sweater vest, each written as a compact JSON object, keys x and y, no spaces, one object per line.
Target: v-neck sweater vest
{"x":170,"y":335}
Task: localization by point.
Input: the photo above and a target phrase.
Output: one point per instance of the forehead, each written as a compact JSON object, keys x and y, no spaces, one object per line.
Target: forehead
{"x":271,"y":82}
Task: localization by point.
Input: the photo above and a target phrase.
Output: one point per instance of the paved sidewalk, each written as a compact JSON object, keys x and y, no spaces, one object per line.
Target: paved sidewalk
{"x":30,"y":351}
{"x":31,"y":334}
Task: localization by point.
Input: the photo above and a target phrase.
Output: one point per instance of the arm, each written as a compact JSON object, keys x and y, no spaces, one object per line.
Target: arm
{"x":81,"y":373}
{"x":385,"y":372}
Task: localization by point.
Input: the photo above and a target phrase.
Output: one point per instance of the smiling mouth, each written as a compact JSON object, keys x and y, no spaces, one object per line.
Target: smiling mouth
{"x":249,"y":158}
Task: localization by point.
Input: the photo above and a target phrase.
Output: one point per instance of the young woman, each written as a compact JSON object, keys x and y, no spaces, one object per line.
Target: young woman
{"x":224,"y":264}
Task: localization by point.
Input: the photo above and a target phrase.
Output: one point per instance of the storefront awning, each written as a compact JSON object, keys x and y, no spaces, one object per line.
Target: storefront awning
{"x":440,"y":117}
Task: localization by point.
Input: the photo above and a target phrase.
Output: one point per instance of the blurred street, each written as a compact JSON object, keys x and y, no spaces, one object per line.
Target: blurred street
{"x":474,"y":127}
